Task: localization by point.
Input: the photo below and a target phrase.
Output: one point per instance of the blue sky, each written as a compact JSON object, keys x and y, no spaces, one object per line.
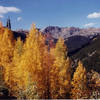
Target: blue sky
{"x":63,"y":13}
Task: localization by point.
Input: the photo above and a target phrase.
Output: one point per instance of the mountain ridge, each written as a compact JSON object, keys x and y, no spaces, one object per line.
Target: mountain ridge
{"x":66,"y":32}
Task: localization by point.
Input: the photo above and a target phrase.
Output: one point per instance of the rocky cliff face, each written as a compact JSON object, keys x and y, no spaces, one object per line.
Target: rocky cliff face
{"x":66,"y":32}
{"x":75,"y":38}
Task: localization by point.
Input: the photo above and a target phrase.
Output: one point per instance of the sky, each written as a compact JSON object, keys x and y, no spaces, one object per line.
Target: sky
{"x":43,"y":13}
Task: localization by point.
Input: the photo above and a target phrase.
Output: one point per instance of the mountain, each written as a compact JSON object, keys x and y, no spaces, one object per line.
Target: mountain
{"x":66,"y":32}
{"x":75,"y":38}
{"x":75,"y":43}
{"x":89,"y":55}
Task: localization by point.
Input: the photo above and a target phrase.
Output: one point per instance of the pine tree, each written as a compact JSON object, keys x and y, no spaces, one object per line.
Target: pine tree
{"x":79,"y":89}
{"x":8,"y":23}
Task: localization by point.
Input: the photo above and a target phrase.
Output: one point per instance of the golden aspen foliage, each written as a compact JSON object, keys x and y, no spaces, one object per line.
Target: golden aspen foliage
{"x":47,"y":62}
{"x":60,"y":74}
{"x":6,"y":46}
{"x":29,"y":69}
{"x":18,"y":51}
{"x":79,"y":89}
{"x":6,"y":51}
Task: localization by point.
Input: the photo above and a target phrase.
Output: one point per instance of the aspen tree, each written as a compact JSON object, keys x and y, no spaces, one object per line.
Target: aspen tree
{"x":60,"y":71}
{"x":6,"y":52}
{"x":79,"y":89}
{"x":30,"y":64}
{"x":18,"y":51}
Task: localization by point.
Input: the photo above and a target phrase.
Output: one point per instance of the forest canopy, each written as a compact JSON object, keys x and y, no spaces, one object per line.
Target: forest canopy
{"x":33,"y":70}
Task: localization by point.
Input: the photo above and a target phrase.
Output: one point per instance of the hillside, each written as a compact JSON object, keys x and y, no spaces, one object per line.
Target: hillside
{"x":90,"y":55}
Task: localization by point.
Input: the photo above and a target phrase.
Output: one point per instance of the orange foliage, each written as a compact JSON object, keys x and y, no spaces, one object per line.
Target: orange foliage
{"x":6,"y":52}
{"x":31,"y":70}
{"x":1,"y":24}
{"x":60,"y":73}
{"x":79,"y":89}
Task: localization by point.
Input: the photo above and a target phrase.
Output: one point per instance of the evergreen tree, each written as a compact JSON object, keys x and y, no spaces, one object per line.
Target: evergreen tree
{"x":8,"y":23}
